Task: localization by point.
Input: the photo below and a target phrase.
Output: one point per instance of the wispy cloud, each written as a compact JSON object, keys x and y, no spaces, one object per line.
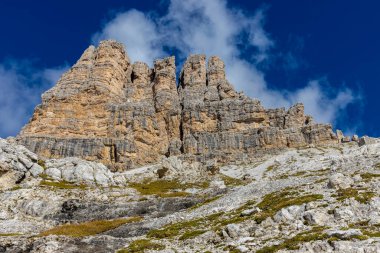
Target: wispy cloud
{"x":21,"y":88}
{"x":214,"y":28}
{"x":139,"y":33}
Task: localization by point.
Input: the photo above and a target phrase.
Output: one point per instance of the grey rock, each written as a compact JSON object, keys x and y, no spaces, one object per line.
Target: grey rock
{"x":242,"y":248}
{"x":141,"y":111}
{"x":340,"y":135}
{"x":365,"y":140}
{"x":339,"y":181}
{"x":36,"y":170}
{"x":250,"y":211}
{"x":233,"y":230}
{"x":343,"y":213}
{"x":345,"y":234}
{"x":316,"y":217}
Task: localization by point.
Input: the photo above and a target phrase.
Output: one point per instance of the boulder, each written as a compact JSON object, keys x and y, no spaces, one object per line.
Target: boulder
{"x":345,"y":234}
{"x":340,"y":181}
{"x":365,"y":140}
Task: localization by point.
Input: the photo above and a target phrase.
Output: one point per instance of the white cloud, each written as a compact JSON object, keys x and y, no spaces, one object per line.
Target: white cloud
{"x":213,"y":28}
{"x":21,"y":86}
{"x":317,"y":102}
{"x":138,"y":32}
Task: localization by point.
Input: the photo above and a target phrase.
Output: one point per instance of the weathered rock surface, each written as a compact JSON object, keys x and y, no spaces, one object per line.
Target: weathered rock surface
{"x":125,"y":115}
{"x":16,"y":163}
{"x":321,"y":199}
{"x":108,"y":110}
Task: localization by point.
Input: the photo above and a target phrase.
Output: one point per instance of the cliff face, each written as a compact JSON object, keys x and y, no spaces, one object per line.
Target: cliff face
{"x":125,"y":115}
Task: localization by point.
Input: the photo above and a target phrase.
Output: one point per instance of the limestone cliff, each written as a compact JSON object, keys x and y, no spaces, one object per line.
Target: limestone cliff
{"x":125,"y":115}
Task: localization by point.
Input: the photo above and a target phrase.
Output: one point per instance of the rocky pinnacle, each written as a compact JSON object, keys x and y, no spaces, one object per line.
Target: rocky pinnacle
{"x":125,"y":115}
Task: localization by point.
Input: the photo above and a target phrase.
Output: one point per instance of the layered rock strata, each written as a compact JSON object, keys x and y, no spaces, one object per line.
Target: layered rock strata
{"x":125,"y":115}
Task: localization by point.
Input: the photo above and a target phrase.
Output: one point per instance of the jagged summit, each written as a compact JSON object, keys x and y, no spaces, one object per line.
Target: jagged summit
{"x":125,"y":114}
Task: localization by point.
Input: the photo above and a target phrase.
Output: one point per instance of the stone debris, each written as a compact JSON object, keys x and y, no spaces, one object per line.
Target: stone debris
{"x":332,"y":193}
{"x":119,"y":157}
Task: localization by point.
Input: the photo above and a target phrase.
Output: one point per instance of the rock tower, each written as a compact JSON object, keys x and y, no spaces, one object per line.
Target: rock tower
{"x":125,"y":114}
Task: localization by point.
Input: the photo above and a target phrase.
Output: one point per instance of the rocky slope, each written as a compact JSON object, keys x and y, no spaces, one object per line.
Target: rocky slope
{"x":126,"y":115}
{"x":310,"y":199}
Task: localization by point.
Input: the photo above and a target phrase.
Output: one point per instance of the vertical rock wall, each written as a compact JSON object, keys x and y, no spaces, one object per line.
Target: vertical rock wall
{"x":126,"y":115}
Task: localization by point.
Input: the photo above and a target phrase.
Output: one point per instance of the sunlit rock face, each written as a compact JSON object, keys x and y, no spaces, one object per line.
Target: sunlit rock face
{"x":125,"y":114}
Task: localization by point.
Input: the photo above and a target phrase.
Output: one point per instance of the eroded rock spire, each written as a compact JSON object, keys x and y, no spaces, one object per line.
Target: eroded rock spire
{"x":125,"y":115}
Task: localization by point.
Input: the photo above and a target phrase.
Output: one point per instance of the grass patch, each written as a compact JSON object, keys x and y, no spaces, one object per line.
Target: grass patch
{"x":230,"y":181}
{"x":368,"y":230}
{"x":298,"y":174}
{"x":282,"y":176}
{"x":88,"y":228}
{"x":269,"y":206}
{"x":176,"y":229}
{"x":45,"y":176}
{"x":271,"y":168}
{"x":357,"y":194}
{"x":274,"y":202}
{"x":249,"y":204}
{"x":10,"y":234}
{"x":369,"y":176}
{"x":161,"y":172}
{"x":192,"y":234}
{"x":41,"y":163}
{"x":62,"y":185}
{"x":294,"y":243}
{"x":139,"y":246}
{"x":371,"y":233}
{"x":209,"y":200}
{"x":322,"y":180}
{"x":15,"y":188}
{"x":166,"y":188}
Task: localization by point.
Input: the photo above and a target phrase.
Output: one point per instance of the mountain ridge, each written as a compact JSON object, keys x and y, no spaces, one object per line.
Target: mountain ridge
{"x":125,"y":115}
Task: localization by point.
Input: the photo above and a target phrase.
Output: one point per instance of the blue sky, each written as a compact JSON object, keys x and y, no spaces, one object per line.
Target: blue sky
{"x":322,"y":53}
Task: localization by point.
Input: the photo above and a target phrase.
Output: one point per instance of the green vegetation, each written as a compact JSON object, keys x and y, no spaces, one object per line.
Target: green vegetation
{"x":293,"y":243}
{"x":166,"y":188}
{"x":271,"y":168}
{"x":88,"y":228}
{"x":320,"y":180}
{"x":231,"y":249}
{"x":230,"y":181}
{"x":270,"y":204}
{"x":139,"y":246}
{"x":371,"y":233}
{"x":249,"y":204}
{"x":10,"y":234}
{"x":282,"y":176}
{"x":15,"y":188}
{"x":41,"y":163}
{"x":274,"y":202}
{"x":45,"y":177}
{"x":176,"y":229}
{"x":206,"y":201}
{"x":161,"y":172}
{"x":192,"y":234}
{"x":360,"y":196}
{"x":62,"y":185}
{"x":368,"y":230}
{"x":369,"y":176}
{"x":298,"y":174}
